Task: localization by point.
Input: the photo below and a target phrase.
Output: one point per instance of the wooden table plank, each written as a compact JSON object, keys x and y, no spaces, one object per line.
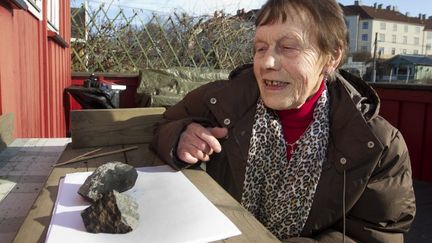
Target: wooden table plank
{"x":142,"y":156}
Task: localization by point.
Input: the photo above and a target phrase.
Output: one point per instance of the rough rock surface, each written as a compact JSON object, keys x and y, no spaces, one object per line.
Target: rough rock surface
{"x":108,"y":177}
{"x":113,"y":213}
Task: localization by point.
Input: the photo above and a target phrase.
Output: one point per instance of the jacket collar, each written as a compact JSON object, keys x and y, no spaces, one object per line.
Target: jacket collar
{"x":351,"y":139}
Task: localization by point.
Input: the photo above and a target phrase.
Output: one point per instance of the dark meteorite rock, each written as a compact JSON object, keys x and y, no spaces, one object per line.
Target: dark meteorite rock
{"x":108,"y":177}
{"x":113,"y":213}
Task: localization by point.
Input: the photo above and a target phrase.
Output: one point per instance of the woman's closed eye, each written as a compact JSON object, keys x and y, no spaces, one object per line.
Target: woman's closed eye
{"x":260,"y":48}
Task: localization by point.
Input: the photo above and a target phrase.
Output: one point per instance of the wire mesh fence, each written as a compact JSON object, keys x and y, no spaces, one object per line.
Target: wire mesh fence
{"x":112,"y":38}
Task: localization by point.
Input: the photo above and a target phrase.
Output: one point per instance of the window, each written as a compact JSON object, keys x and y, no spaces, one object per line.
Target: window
{"x":393,"y":51}
{"x":429,"y":35}
{"x":381,"y":51}
{"x":415,"y":52}
{"x":381,"y":37}
{"x":364,"y":48}
{"x":404,"y":51}
{"x":35,"y":7}
{"x":406,"y":28}
{"x":53,"y":12}
{"x":393,"y":38}
{"x":405,"y":40}
{"x":394,"y":27}
{"x":364,"y":37}
{"x":365,"y":25}
{"x":417,"y":29}
{"x":416,"y":40}
{"x":382,"y":26}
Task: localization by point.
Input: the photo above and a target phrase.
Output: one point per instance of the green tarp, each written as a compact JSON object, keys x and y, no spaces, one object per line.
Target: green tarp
{"x":166,"y":87}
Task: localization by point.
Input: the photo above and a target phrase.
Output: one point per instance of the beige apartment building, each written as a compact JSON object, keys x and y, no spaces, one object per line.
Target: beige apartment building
{"x":396,"y":33}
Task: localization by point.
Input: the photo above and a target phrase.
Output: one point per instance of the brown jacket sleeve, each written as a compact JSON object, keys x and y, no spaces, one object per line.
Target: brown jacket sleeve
{"x":176,"y":119}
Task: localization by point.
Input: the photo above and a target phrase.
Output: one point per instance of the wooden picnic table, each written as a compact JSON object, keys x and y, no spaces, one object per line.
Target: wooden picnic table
{"x":117,"y":129}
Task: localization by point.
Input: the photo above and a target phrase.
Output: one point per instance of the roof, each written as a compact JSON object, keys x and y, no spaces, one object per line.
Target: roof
{"x":428,"y":25}
{"x":412,"y":59}
{"x":366,"y":12}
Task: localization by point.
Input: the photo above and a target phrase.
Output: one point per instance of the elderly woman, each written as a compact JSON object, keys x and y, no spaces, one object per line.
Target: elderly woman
{"x":300,"y":145}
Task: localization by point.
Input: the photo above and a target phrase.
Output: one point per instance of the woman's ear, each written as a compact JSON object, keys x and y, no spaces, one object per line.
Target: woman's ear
{"x":335,"y":60}
{"x":332,"y":63}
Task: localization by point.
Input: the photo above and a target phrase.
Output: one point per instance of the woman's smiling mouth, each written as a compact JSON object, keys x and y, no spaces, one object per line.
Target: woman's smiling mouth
{"x":275,"y":83}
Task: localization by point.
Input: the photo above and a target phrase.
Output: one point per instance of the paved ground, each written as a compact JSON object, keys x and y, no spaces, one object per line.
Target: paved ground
{"x":26,"y":164}
{"x":24,"y":168}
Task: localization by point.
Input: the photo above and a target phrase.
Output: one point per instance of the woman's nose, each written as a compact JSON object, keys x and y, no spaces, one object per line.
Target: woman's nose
{"x":271,"y":61}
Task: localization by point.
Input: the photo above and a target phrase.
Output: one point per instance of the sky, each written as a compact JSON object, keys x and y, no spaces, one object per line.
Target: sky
{"x":198,"y":7}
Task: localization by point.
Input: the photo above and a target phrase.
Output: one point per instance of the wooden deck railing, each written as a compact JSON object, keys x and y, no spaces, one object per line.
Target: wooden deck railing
{"x":409,"y":108}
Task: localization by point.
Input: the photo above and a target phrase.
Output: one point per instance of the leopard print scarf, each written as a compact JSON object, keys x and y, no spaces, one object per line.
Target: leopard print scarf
{"x":277,"y":191}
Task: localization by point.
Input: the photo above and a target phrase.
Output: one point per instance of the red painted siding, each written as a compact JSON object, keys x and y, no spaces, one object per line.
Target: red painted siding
{"x":409,"y":108}
{"x":34,"y":70}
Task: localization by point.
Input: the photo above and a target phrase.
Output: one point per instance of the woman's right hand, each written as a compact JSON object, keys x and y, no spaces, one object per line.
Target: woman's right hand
{"x":197,"y":143}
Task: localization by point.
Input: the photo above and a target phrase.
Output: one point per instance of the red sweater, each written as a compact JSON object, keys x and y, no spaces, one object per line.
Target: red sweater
{"x":296,"y":121}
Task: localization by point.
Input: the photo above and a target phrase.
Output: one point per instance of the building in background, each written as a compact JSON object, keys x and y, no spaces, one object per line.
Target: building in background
{"x":396,"y":33}
{"x":410,"y":67}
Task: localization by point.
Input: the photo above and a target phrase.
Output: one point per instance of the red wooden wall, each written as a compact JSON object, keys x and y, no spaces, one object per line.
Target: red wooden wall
{"x":409,"y":108}
{"x":34,"y":70}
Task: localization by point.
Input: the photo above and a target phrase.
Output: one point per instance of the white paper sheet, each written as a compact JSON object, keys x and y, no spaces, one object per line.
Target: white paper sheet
{"x":171,"y":209}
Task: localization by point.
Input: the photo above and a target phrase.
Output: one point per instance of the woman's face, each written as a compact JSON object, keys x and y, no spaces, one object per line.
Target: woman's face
{"x":287,"y":64}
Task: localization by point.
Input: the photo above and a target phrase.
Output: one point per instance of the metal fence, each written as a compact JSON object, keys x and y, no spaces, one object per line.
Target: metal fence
{"x":112,"y":38}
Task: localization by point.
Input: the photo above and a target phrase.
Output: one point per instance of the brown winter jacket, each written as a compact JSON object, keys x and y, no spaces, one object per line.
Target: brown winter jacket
{"x":377,"y":198}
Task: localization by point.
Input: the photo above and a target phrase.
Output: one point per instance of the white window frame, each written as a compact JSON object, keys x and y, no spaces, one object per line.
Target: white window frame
{"x":394,"y":27}
{"x":416,"y":41}
{"x":381,"y":37}
{"x":35,"y":8}
{"x":365,"y":37}
{"x":365,"y":25}
{"x":393,"y":38}
{"x":382,"y":25}
{"x":53,"y":15}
